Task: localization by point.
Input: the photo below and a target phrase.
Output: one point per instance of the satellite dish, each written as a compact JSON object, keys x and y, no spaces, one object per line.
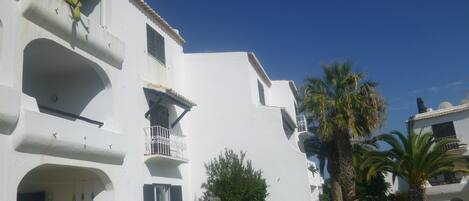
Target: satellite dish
{"x":445,"y":105}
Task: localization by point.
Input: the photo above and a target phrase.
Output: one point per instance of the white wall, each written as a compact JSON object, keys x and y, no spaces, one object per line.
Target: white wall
{"x":223,"y":85}
{"x":461,"y":125}
{"x":227,"y":117}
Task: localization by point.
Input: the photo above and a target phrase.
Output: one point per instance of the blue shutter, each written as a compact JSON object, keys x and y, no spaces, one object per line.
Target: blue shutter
{"x":155,"y":44}
{"x":148,"y":192}
{"x":176,"y":193}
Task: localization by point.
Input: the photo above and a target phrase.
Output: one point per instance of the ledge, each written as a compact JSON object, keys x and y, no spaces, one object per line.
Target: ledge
{"x":162,"y":159}
{"x":40,"y":133}
{"x":447,"y":189}
{"x":55,"y":16}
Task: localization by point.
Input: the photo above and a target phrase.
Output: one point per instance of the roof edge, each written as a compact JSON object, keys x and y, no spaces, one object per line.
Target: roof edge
{"x":293,"y":88}
{"x":154,"y":15}
{"x":259,"y":69}
{"x":441,"y":112}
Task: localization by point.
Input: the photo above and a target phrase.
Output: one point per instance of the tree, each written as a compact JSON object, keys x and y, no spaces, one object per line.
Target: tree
{"x":231,"y":178}
{"x":373,"y":189}
{"x":415,"y":158}
{"x":345,"y":106}
{"x":326,"y":191}
{"x":326,"y":154}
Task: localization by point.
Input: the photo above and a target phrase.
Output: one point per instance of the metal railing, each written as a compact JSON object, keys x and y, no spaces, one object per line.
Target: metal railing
{"x":302,"y":123}
{"x":453,"y":145}
{"x":163,"y":141}
{"x":68,"y":114}
{"x":444,"y":179}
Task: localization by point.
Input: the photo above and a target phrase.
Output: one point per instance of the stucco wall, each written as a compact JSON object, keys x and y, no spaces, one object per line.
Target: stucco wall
{"x":226,"y":117}
{"x":223,"y":85}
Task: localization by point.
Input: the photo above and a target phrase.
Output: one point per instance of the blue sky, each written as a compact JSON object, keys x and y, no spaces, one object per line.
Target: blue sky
{"x":412,"y":48}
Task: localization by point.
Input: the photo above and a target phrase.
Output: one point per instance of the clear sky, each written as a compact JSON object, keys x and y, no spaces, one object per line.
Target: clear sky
{"x":412,"y":48}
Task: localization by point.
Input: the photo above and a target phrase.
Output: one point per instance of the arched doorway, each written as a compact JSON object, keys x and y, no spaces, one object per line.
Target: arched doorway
{"x":66,"y":84}
{"x":57,"y":183}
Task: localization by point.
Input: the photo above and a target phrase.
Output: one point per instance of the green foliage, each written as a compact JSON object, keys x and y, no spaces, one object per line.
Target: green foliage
{"x":313,"y":169}
{"x":415,"y":158}
{"x":230,"y":178}
{"x":345,"y":106}
{"x":75,"y":6}
{"x":326,"y":191}
{"x":314,"y":146}
{"x":343,"y":101}
{"x":374,"y":189}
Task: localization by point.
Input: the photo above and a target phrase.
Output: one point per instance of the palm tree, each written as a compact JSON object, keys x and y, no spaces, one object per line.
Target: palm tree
{"x":325,"y":152}
{"x":415,"y":158}
{"x":368,"y":190}
{"x":345,"y":106}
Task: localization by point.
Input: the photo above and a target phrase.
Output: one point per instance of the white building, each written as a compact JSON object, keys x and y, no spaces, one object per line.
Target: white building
{"x":110,"y":108}
{"x":447,"y":121}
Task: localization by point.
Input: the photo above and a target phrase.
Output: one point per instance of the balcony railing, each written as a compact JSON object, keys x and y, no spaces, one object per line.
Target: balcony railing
{"x":302,"y":123}
{"x":163,"y":142}
{"x":445,"y":179}
{"x":453,"y":145}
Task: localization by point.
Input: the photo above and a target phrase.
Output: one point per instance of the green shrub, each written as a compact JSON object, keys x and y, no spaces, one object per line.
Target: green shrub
{"x":230,"y":178}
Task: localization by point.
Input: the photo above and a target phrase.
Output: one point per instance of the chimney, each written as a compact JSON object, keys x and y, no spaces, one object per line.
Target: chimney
{"x":421,"y":106}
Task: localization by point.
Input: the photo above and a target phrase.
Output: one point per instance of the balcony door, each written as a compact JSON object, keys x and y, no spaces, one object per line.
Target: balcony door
{"x":160,"y":131}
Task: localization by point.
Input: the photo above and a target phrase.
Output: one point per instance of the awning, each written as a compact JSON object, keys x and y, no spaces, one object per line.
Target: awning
{"x":159,"y":93}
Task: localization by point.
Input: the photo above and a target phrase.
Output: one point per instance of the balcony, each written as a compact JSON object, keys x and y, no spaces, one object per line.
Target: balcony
{"x":162,"y":145}
{"x":302,"y":123}
{"x":457,"y":147}
{"x":445,"y":179}
{"x":41,"y":133}
{"x":88,"y":34}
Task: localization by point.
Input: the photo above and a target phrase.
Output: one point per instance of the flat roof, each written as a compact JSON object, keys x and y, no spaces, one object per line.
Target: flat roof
{"x":441,"y":112}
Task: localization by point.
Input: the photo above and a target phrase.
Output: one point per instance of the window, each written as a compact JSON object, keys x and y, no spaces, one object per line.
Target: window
{"x":162,"y":192}
{"x":155,"y":44}
{"x":443,"y":130}
{"x":261,"y":92}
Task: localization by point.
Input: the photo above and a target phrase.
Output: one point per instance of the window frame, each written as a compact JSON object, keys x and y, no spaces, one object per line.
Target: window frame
{"x":440,"y":131}
{"x":261,"y":92}
{"x":157,"y":48}
{"x":150,"y":191}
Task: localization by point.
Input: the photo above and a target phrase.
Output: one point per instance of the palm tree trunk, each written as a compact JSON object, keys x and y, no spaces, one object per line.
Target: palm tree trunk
{"x":346,"y":171}
{"x":336,"y":191}
{"x":417,"y":194}
{"x":333,"y":169}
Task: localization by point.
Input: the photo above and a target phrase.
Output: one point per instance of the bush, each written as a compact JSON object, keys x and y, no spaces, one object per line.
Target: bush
{"x":230,"y":178}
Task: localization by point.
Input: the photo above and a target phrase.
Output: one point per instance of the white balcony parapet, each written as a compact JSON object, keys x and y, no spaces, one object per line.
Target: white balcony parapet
{"x":55,"y":16}
{"x":165,"y":146}
{"x":45,"y":134}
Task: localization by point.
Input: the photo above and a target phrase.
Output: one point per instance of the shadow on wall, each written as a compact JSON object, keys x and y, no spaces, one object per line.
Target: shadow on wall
{"x":164,"y":170}
{"x":62,"y":80}
{"x":57,"y":182}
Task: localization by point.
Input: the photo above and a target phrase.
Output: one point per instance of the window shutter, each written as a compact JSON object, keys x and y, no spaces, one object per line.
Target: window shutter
{"x":151,"y":45}
{"x":176,"y":193}
{"x":160,"y":51}
{"x":155,"y":44}
{"x":148,"y":192}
